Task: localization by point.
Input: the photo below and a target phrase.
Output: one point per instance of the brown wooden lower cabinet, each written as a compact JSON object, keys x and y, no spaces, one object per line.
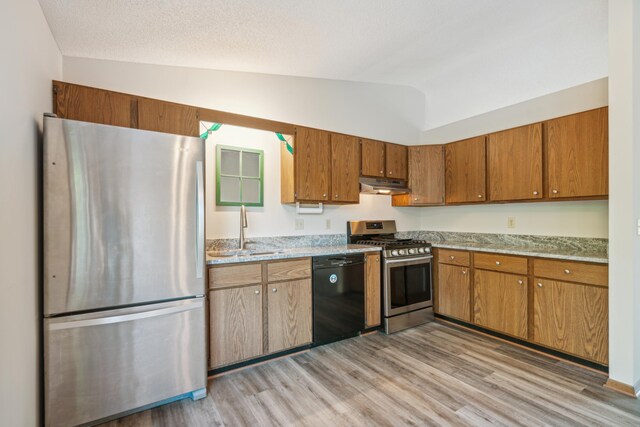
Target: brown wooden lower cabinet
{"x":562,"y":305}
{"x":454,"y":292}
{"x":572,"y":317}
{"x":248,"y":320}
{"x":235,"y":318}
{"x":372,"y":299}
{"x":289,"y":314}
{"x":500,"y":302}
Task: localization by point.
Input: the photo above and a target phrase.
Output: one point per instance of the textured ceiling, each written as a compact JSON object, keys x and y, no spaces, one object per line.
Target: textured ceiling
{"x":404,"y":42}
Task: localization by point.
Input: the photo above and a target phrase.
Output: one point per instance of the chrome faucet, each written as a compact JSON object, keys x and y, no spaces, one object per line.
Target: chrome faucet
{"x":243,"y":225}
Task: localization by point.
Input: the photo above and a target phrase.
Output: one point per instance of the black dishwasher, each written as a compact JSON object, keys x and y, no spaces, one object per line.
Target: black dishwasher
{"x":338,"y":297}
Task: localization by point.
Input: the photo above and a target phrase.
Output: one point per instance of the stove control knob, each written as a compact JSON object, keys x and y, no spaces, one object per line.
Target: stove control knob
{"x":412,"y":251}
{"x":394,"y":252}
{"x":421,"y":250}
{"x":427,"y":250}
{"x":403,"y":251}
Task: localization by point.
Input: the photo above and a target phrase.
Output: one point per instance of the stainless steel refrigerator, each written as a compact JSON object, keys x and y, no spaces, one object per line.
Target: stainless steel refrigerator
{"x":124,"y":282}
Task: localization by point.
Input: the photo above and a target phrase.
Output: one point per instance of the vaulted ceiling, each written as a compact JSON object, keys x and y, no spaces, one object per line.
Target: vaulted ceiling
{"x":407,"y":42}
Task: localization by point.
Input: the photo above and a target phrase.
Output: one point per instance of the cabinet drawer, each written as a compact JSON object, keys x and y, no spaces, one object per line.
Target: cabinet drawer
{"x":592,"y":274}
{"x":289,"y":270}
{"x":499,"y":262}
{"x":448,"y":256}
{"x":235,"y":275}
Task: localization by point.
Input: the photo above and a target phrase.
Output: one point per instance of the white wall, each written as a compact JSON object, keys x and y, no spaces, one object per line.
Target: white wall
{"x":386,"y":112}
{"x":541,"y":55}
{"x":30,"y":60}
{"x":275,"y":219}
{"x":624,"y":191}
{"x":577,"y":219}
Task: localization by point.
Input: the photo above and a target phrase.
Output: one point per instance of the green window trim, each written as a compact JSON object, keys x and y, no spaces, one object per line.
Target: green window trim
{"x":260,"y":176}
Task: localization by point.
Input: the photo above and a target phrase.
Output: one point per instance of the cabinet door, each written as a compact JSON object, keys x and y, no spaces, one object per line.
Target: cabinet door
{"x":94,"y":105}
{"x":289,"y":314}
{"x":372,"y":294}
{"x":235,"y":324}
{"x":396,"y":161}
{"x":578,"y":155}
{"x":572,"y":318}
{"x":312,"y":164}
{"x":162,"y":116}
{"x":454,"y":292}
{"x":426,"y":175}
{"x":500,"y":302}
{"x":345,"y":169}
{"x":514,"y":163}
{"x":372,"y":158}
{"x":465,"y":171}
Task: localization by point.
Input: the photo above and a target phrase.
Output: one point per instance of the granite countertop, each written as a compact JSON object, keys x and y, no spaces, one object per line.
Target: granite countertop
{"x":570,"y":254}
{"x":284,"y":253}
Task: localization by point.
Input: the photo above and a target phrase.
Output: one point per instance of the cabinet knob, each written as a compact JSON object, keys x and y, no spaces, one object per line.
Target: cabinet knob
{"x":479,"y":196}
{"x":452,"y":257}
{"x":274,"y":290}
{"x":381,"y":172}
{"x":535,"y":193}
{"x":498,"y":263}
{"x":554,"y":191}
{"x":464,"y":271}
{"x":336,"y":196}
{"x":257,"y":292}
{"x":539,"y":284}
{"x":567,"y":272}
{"x":324,"y":195}
{"x":390,"y":172}
{"x":520,"y":282}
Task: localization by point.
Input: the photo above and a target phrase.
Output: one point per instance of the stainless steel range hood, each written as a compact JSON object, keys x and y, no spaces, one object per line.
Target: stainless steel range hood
{"x":384,"y":186}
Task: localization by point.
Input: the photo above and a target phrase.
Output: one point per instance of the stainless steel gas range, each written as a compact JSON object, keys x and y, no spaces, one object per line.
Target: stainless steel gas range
{"x":406,"y":273}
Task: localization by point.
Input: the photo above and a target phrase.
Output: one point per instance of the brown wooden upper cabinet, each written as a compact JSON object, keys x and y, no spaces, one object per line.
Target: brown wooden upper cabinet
{"x":345,"y":161}
{"x":396,"y":161}
{"x":312,"y":158}
{"x":465,"y":169}
{"x":578,"y":155}
{"x":88,"y":104}
{"x":161,"y":116}
{"x":514,"y":163}
{"x":372,"y":158}
{"x":383,"y":159}
{"x":426,"y":177}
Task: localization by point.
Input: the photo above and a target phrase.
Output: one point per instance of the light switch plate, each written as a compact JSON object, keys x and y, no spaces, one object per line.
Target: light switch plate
{"x":299,"y":224}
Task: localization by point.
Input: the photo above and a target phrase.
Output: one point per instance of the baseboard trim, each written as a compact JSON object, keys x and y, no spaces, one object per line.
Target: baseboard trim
{"x":626,"y":389}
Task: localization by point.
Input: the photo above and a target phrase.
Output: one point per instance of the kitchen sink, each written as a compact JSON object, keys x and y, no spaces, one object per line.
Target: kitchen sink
{"x":241,"y":253}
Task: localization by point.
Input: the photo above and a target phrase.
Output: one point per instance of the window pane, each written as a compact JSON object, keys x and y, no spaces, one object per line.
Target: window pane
{"x":250,"y":190}
{"x":229,"y":189}
{"x":251,"y":164}
{"x":230,"y":162}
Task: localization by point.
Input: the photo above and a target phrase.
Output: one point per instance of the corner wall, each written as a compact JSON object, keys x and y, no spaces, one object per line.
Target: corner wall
{"x":576,"y":219}
{"x":30,"y":60}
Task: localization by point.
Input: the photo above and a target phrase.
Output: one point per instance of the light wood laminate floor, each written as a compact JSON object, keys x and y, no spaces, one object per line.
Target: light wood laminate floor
{"x":435,"y":374}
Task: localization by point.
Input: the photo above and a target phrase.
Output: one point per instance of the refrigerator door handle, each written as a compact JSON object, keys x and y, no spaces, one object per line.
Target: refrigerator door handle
{"x":199,"y":220}
{"x":124,"y":317}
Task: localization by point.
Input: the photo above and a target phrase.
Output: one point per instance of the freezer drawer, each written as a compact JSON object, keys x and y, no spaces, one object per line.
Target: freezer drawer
{"x":101,"y":364}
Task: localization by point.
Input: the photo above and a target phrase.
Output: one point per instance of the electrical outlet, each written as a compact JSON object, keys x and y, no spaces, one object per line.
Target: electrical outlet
{"x":328,"y":224}
{"x":511,"y":222}
{"x":299,"y":224}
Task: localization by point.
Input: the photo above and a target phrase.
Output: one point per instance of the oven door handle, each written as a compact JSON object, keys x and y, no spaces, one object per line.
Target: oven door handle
{"x":409,"y":261}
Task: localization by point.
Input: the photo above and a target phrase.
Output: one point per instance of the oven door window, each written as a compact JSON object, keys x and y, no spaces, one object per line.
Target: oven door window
{"x":409,"y":284}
